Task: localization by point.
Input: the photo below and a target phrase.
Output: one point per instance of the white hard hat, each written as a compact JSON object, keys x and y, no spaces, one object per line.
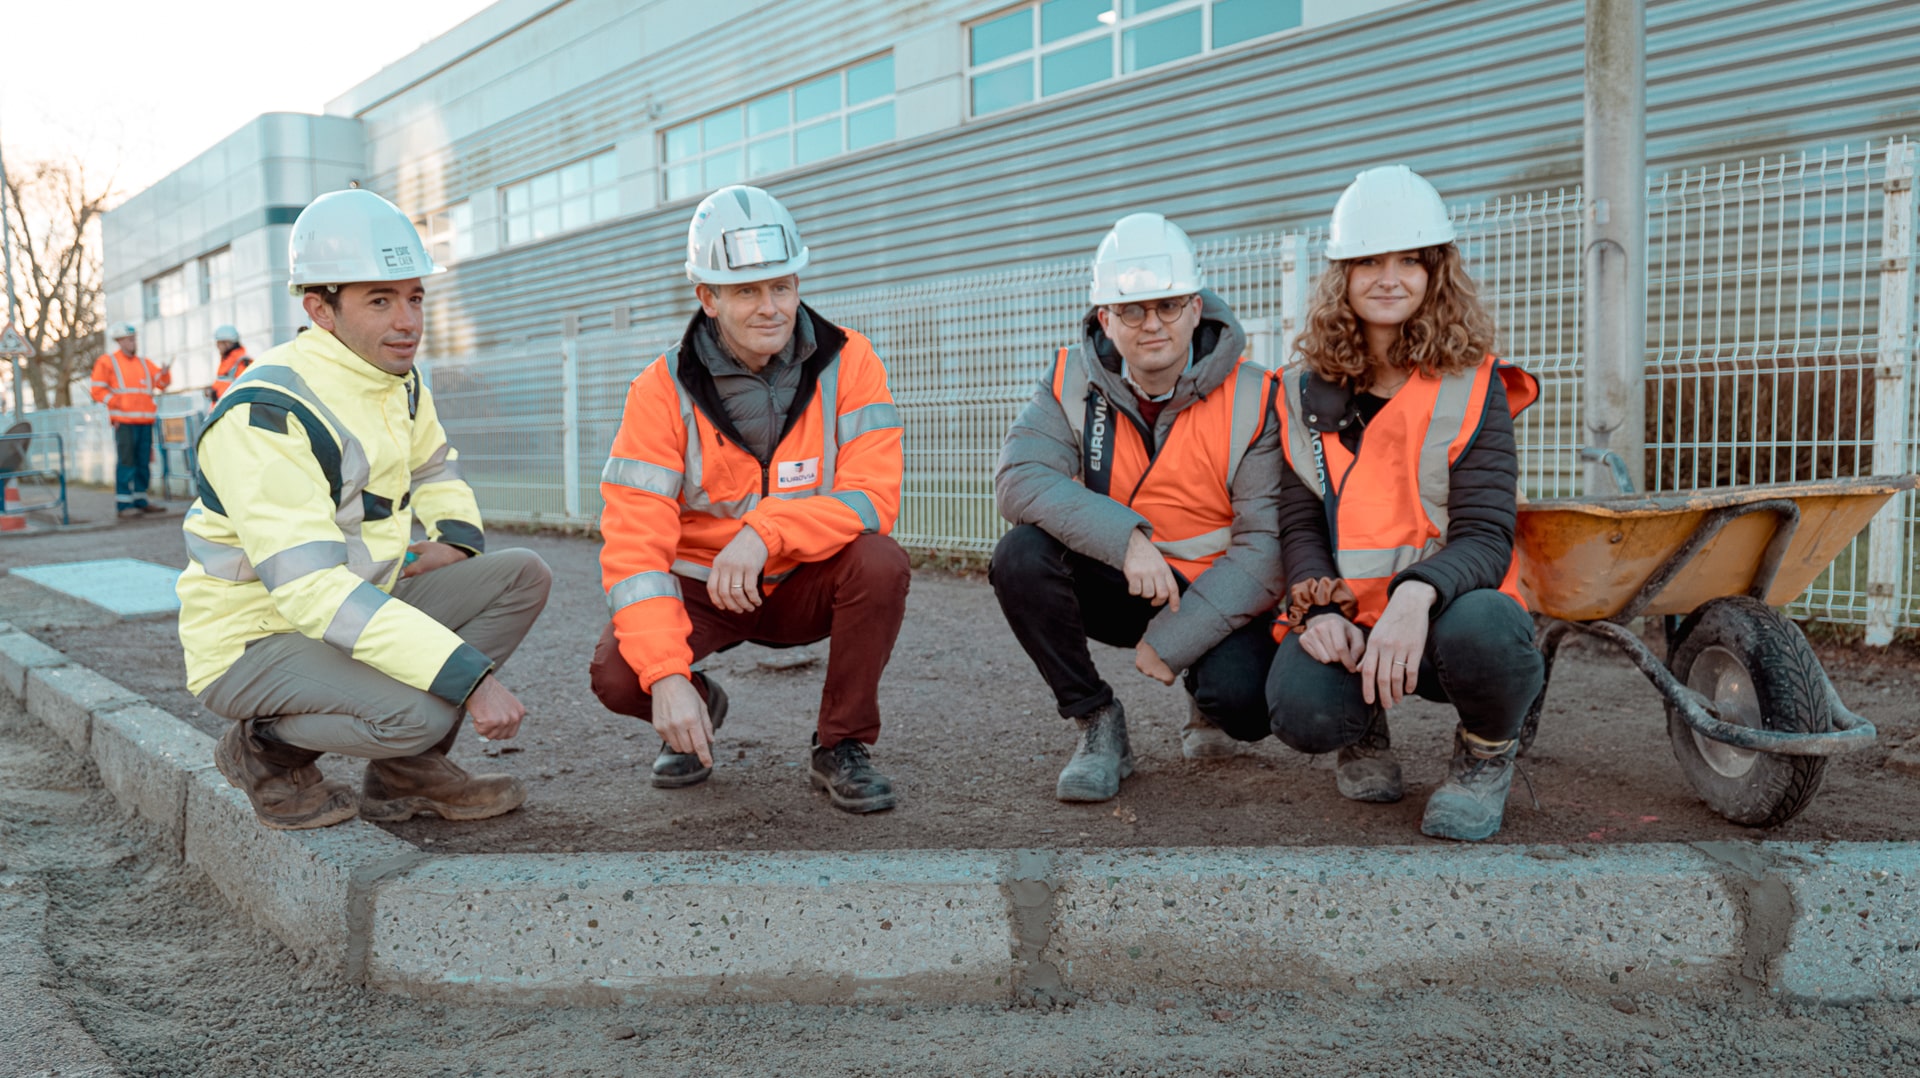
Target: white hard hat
{"x":346,"y":237}
{"x":123,"y":329}
{"x":741,"y":234}
{"x":226,"y":333}
{"x":1145,"y":256}
{"x":1392,"y":208}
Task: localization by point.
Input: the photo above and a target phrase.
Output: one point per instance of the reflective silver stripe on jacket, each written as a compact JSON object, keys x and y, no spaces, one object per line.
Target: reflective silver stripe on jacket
{"x":829,"y":390}
{"x":1200,"y":546}
{"x":1373,"y":564}
{"x":350,"y":620}
{"x":1449,"y":415}
{"x":858,"y":501}
{"x":642,"y":475}
{"x":640,"y":587}
{"x":873,"y":417}
{"x":295,"y":562}
{"x":1073,"y":400}
{"x":1248,"y":403}
{"x":219,"y":560}
{"x":436,"y":469}
{"x":1299,"y":435}
{"x":349,"y":514}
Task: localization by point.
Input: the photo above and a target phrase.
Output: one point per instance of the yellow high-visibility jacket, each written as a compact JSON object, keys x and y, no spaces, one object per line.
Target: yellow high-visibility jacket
{"x":310,"y":474}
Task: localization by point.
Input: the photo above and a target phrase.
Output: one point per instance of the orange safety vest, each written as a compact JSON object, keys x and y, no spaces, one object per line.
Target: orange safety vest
{"x":231,"y":366}
{"x":127,"y":385}
{"x":1185,"y":490}
{"x":1388,"y":504}
{"x":678,"y":489}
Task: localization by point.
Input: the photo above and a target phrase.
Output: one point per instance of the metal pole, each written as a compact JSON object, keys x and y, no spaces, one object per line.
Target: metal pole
{"x":1615,"y":184}
{"x":1887,"y":563}
{"x":13,"y":304}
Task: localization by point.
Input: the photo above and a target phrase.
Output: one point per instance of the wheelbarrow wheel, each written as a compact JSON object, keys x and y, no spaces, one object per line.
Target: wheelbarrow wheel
{"x":1758,"y":671}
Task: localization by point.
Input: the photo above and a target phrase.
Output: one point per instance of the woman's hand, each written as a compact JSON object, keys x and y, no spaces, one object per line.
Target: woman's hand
{"x":1391,"y":666}
{"x":1331,"y":638}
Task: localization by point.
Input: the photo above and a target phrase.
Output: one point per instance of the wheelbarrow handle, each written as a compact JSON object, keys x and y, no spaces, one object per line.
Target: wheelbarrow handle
{"x":1851,"y":731}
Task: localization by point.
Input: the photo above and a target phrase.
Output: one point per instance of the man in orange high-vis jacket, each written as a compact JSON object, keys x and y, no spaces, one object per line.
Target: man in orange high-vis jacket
{"x":127,"y":384}
{"x":749,"y":494}
{"x":234,"y":361}
{"x":1142,"y":482}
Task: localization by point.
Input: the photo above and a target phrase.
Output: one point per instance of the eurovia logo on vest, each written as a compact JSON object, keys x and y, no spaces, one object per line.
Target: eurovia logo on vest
{"x":789,"y":474}
{"x":1097,"y":440}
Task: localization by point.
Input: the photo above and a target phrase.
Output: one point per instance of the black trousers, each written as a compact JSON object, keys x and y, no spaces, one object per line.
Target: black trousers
{"x":1056,"y":600}
{"x":133,"y":449}
{"x":1479,"y":657}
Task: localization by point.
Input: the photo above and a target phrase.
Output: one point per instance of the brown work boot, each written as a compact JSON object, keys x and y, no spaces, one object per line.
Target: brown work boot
{"x":396,"y":789}
{"x":288,"y":793}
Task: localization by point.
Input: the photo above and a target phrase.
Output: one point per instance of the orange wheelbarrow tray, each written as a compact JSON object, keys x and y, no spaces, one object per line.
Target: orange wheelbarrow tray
{"x":1739,"y":679}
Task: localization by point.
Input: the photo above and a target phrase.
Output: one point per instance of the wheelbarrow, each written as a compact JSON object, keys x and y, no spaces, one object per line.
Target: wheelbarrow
{"x":1750,"y":713}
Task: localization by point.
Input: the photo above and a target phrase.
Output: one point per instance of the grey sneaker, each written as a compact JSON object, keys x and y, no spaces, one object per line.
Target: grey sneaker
{"x":1200,"y":739}
{"x":1100,"y":761}
{"x":1468,"y":807}
{"x":1367,"y":770}
{"x":672,"y":770}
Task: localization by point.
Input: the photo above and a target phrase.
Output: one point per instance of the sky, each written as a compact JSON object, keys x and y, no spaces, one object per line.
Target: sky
{"x":136,"y":88}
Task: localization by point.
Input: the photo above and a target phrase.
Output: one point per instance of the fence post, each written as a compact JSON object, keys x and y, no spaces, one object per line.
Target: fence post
{"x":570,"y":416}
{"x":1293,"y":294}
{"x":1892,"y":407}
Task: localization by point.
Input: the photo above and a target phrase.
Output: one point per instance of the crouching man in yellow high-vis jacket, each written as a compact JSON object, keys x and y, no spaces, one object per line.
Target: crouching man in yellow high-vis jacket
{"x":305,"y":613}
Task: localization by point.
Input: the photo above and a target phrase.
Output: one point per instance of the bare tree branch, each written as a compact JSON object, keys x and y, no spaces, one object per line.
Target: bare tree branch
{"x":54,"y":217}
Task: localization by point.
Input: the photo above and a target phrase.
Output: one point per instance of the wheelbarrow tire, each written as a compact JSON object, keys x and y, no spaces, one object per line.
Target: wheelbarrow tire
{"x":1788,"y":692}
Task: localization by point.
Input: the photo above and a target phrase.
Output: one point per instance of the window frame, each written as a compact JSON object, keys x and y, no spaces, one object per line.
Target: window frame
{"x":224,"y":257}
{"x":1114,"y":32}
{"x":457,"y":235}
{"x":683,"y":145}
{"x":554,"y":179}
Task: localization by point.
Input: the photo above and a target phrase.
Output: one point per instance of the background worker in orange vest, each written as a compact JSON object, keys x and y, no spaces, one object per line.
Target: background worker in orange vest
{"x":1420,"y":595}
{"x":752,"y":484}
{"x":128,"y":385}
{"x":1141,"y":482}
{"x":234,"y":360}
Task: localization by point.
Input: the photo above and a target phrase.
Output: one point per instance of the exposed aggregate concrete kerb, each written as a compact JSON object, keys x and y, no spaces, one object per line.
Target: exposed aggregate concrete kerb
{"x":1835,"y":922}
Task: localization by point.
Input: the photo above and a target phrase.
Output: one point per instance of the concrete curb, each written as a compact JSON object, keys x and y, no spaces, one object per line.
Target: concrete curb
{"x":1831,"y":922}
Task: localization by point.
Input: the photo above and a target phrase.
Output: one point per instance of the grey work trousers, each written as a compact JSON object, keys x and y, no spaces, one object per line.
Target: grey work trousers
{"x":322,"y":699}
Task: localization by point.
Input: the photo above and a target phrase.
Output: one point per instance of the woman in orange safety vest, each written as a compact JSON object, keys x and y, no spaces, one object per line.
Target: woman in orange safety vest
{"x":1397,"y":512}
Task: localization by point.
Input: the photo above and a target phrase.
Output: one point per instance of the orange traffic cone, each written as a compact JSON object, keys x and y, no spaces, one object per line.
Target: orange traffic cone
{"x":9,"y":522}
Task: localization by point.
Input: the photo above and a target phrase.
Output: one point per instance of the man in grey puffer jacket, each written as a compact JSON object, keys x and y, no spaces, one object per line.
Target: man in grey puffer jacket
{"x":1142,"y":481}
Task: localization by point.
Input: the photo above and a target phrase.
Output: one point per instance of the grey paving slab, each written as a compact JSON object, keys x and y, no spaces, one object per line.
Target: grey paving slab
{"x":699,"y":926}
{"x":1639,"y":917}
{"x":128,"y":587}
{"x":145,"y":757}
{"x":39,"y":1032}
{"x":66,"y":699}
{"x":20,"y":653}
{"x":1856,"y":923}
{"x":299,"y":885}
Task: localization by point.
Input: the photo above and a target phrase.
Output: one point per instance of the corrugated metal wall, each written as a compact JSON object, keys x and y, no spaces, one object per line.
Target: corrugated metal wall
{"x":1482,"y":95}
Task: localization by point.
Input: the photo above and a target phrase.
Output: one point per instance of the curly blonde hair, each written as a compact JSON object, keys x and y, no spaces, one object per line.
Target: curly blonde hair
{"x":1450,"y":333}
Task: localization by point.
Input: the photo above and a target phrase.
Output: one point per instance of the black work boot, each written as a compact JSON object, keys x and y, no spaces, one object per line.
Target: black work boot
{"x":849,"y":778}
{"x":671,"y":769}
{"x":288,"y":793}
{"x":1469,"y":806}
{"x":1367,"y":770}
{"x":1101,"y":759}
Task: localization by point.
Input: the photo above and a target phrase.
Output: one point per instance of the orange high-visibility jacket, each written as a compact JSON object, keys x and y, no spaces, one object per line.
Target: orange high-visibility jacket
{"x":127,"y":385}
{"x":679,"y":486}
{"x":1388,"y":503}
{"x":1185,"y":490}
{"x":231,"y":366}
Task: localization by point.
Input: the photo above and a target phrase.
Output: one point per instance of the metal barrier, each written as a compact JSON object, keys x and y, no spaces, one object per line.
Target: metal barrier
{"x":1780,"y":345}
{"x":32,"y":463}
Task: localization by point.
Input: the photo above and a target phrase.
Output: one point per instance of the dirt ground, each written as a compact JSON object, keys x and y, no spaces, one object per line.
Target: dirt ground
{"x":170,"y":981}
{"x":973,"y":744}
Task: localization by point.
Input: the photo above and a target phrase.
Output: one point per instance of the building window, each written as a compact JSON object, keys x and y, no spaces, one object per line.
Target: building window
{"x":1050,"y":47}
{"x":165,"y":295}
{"x":216,"y":275}
{"x":448,"y":233}
{"x":569,"y":197}
{"x":831,"y":114}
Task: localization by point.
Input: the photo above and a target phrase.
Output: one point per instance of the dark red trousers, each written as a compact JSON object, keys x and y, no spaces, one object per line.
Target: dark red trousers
{"x":858,"y":597}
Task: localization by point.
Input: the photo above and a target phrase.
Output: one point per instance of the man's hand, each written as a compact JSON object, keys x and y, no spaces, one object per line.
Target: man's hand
{"x":496,"y":712}
{"x":1331,"y":638}
{"x":431,"y":556}
{"x":1391,"y":666}
{"x":1148,"y":574}
{"x":680,"y":717}
{"x":734,"y":584}
{"x":1148,"y":661}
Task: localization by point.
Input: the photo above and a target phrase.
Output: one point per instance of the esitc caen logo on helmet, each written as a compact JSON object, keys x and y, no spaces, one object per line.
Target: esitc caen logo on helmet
{"x":397,"y":258}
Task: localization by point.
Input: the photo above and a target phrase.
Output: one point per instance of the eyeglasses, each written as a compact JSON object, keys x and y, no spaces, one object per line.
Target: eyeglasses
{"x":1132,"y":314}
